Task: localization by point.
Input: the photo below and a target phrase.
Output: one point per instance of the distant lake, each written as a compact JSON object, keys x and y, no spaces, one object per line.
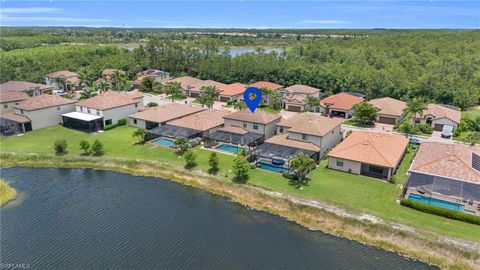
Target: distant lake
{"x":87,"y":219}
{"x":235,"y":51}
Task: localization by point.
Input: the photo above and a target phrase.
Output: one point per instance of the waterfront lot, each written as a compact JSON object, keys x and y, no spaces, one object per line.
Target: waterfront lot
{"x":357,"y":193}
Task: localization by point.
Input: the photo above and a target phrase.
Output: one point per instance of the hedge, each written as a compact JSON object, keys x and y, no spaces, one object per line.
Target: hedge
{"x":122,"y":122}
{"x":108,"y":127}
{"x":441,"y":211}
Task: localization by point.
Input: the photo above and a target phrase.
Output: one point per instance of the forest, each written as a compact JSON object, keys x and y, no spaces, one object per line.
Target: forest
{"x":439,"y":65}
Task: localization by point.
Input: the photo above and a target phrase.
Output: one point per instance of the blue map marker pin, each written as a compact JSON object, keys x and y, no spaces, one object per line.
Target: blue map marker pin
{"x":252,"y":97}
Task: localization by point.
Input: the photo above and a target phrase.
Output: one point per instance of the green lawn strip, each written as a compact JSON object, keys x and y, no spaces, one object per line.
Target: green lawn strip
{"x":7,"y":192}
{"x":353,"y":192}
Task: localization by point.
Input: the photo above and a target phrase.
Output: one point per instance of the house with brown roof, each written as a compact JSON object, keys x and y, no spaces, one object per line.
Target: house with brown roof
{"x":158,"y":75}
{"x":10,"y":99}
{"x":196,"y":89}
{"x":37,"y":112}
{"x":446,"y":175}
{"x":232,"y":92}
{"x":105,"y":109}
{"x":389,"y":109}
{"x":22,"y":86}
{"x":438,"y":116}
{"x":267,"y":99}
{"x":295,"y":97}
{"x":339,"y":105}
{"x":205,"y":121}
{"x":258,"y":122}
{"x":369,"y":153}
{"x":159,"y":116}
{"x":71,"y":80}
{"x":186,"y":83}
{"x":323,"y":132}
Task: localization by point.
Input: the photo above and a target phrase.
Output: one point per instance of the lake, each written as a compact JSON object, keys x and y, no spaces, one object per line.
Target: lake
{"x":88,"y":219}
{"x":236,"y":51}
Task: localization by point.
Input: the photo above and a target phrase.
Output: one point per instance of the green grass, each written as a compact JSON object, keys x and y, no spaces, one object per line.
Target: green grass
{"x":353,"y":192}
{"x":269,"y":109}
{"x":352,"y":122}
{"x":6,"y":192}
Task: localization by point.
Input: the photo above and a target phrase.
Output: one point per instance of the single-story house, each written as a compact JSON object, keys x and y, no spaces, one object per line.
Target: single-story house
{"x":206,"y":121}
{"x":389,"y":109}
{"x":159,"y":116}
{"x":258,"y":122}
{"x":10,"y":99}
{"x":21,"y":86}
{"x":37,"y":112}
{"x":369,"y":153}
{"x":157,"y":75}
{"x":323,"y":132}
{"x":339,"y":105}
{"x":232,"y":92}
{"x":446,"y":175}
{"x":196,"y":89}
{"x":267,"y":99}
{"x":295,"y":97}
{"x":186,"y":82}
{"x":438,"y":116}
{"x":71,"y":80}
{"x":107,"y":109}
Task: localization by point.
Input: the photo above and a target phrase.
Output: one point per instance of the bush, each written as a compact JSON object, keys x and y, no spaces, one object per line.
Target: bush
{"x":108,"y":127}
{"x":122,"y":122}
{"x":240,"y":168}
{"x":85,"y":146}
{"x":190,"y":158}
{"x":424,"y":128}
{"x":97,"y":148}
{"x":152,"y":104}
{"x":213,"y":163}
{"x":60,"y":147}
{"x":441,"y":211}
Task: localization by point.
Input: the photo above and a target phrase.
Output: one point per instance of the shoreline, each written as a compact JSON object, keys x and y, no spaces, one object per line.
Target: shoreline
{"x":10,"y":193}
{"x":444,"y":252}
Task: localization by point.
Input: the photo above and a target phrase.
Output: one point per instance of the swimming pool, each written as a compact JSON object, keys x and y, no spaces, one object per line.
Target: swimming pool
{"x":436,"y":202}
{"x":229,"y":148}
{"x":164,"y":142}
{"x":270,"y":167}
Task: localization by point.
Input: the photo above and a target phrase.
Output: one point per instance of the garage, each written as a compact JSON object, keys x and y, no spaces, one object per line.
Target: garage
{"x":224,"y":99}
{"x":438,"y":127}
{"x":386,"y":120}
{"x":294,"y":108}
{"x":194,"y":94}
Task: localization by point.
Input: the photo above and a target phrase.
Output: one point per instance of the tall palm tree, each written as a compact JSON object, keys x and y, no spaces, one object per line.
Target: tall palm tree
{"x":89,"y":92}
{"x":102,"y":86}
{"x":117,"y":78}
{"x":60,"y":81}
{"x":209,"y":94}
{"x":174,"y":90}
{"x":86,"y":77}
{"x":416,"y":106}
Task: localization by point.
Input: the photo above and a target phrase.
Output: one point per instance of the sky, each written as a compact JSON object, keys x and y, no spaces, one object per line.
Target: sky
{"x":318,"y":14}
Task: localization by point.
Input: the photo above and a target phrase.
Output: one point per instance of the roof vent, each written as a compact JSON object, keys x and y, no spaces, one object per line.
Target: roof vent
{"x":476,"y":161}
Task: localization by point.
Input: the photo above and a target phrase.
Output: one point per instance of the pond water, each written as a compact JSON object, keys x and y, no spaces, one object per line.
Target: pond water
{"x":87,"y":219}
{"x":235,"y":51}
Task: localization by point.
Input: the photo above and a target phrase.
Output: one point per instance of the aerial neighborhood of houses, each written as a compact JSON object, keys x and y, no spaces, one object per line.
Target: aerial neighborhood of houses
{"x":444,"y":173}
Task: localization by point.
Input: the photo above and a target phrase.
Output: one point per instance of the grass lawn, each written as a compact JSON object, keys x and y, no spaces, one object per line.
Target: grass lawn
{"x":352,"y":122}
{"x":357,"y":193}
{"x":269,"y":109}
{"x":6,"y":192}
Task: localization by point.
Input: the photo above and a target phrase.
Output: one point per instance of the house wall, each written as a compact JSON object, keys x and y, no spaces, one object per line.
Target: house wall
{"x":317,"y":140}
{"x":267,"y":130}
{"x":443,"y":121}
{"x":114,"y":114}
{"x":47,"y":117}
{"x":348,"y":165}
{"x":330,"y":140}
{"x":139,"y":124}
{"x":8,"y":105}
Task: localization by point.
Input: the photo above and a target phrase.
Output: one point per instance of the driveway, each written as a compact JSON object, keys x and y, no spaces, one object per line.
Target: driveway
{"x":162,"y":100}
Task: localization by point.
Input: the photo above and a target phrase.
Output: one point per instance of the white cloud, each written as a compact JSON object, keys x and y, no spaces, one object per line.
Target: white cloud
{"x":325,"y":22}
{"x":30,"y":10}
{"x":47,"y":21}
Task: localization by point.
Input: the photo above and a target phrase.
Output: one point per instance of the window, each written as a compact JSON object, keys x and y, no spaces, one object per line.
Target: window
{"x":58,"y":108}
{"x":98,"y":112}
{"x":375,"y":169}
{"x":339,"y":162}
{"x":244,"y":124}
{"x":108,"y":122}
{"x":5,"y":106}
{"x":136,"y":105}
{"x":89,"y":111}
{"x":304,"y":137}
{"x":281,"y":129}
{"x":135,"y":121}
{"x":255,"y":126}
{"x":21,"y":111}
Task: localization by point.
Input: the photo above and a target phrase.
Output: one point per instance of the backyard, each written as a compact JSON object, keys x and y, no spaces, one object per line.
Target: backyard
{"x":357,"y":193}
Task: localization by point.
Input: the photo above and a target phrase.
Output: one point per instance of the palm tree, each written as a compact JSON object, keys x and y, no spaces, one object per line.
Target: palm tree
{"x":313,"y":102}
{"x":239,"y":105}
{"x":117,"y":77}
{"x":209,"y":94}
{"x":265,"y":94}
{"x":88,"y":93}
{"x":202,"y":100}
{"x":174,"y":90}
{"x":102,"y":86}
{"x":140,"y":135}
{"x":60,"y":81}
{"x":416,"y":106}
{"x":86,"y":77}
{"x":277,"y":98}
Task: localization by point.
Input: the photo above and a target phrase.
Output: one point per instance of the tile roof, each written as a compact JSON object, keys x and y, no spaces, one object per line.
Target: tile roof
{"x":302,"y":89}
{"x":108,"y":100}
{"x":234,"y":129}
{"x":15,"y":117}
{"x":42,"y":102}
{"x":341,"y":101}
{"x":297,"y":99}
{"x":20,"y":86}
{"x":374,"y":148}
{"x":110,"y":71}
{"x":267,"y":85}
{"x":258,"y":116}
{"x":12,"y":96}
{"x":310,"y":123}
{"x":233,"y":89}
{"x":447,"y":160}
{"x":198,"y":86}
{"x":389,"y":106}
{"x":166,"y":112}
{"x":69,"y":76}
{"x":438,"y":111}
{"x":283,"y":139}
{"x":186,"y":81}
{"x":203,"y":120}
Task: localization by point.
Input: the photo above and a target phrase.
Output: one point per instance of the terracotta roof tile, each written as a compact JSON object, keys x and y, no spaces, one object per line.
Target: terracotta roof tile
{"x":302,"y":89}
{"x":69,"y":76}
{"x":267,"y":85}
{"x":389,"y":106}
{"x":234,"y":89}
{"x":258,"y":116}
{"x":372,"y":148}
{"x":341,"y":101}
{"x":21,"y":86}
{"x":42,"y":102}
{"x":166,"y":112}
{"x":198,"y":86}
{"x":186,"y":81}
{"x":284,"y":140}
{"x":202,"y":121}
{"x":448,"y":160}
{"x":234,"y":129}
{"x":438,"y":111}
{"x":297,"y":99}
{"x":12,"y":116}
{"x":109,"y":100}
{"x":12,"y":96}
{"x":310,"y":123}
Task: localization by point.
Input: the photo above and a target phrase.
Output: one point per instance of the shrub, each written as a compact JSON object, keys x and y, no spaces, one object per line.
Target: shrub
{"x":190,"y":158}
{"x":424,"y":128}
{"x":240,"y":168}
{"x":85,"y":146}
{"x":60,"y":147}
{"x":122,"y":122}
{"x":108,"y":127}
{"x":213,"y":163}
{"x":152,"y":104}
{"x":441,"y":211}
{"x":97,"y":148}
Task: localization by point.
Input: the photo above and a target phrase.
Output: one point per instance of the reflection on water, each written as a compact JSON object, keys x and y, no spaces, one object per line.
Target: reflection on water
{"x":87,"y":219}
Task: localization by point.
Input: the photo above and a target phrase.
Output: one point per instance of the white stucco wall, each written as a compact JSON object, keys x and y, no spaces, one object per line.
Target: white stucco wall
{"x":348,"y":165}
{"x":118,"y":113}
{"x":140,"y":123}
{"x":8,"y":105}
{"x":47,"y":117}
{"x":330,"y":140}
{"x":267,"y":130}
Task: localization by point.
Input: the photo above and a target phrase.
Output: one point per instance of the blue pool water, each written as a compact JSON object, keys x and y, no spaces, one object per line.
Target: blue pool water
{"x":270,"y":167}
{"x":164,"y":142}
{"x":229,"y":148}
{"x":436,"y":202}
